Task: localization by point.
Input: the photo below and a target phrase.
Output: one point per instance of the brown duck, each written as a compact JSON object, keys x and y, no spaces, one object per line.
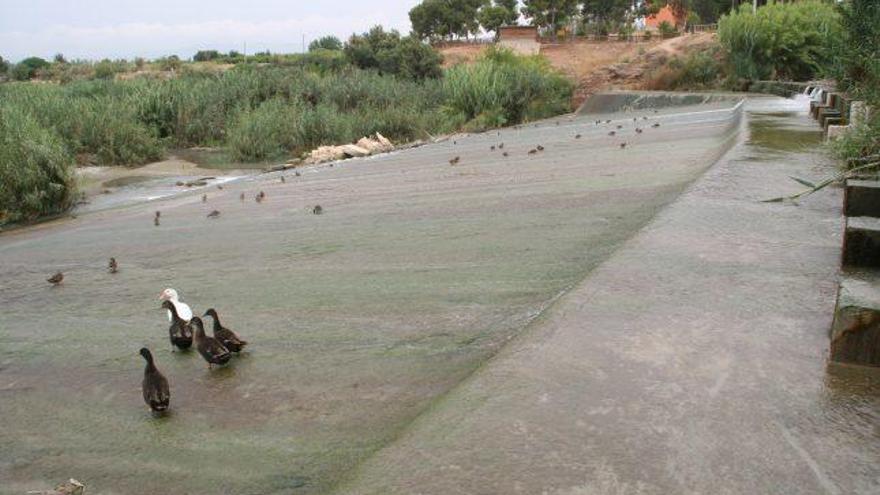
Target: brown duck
{"x":180,"y":332}
{"x":211,"y":349}
{"x":157,"y":393}
{"x":226,"y":336}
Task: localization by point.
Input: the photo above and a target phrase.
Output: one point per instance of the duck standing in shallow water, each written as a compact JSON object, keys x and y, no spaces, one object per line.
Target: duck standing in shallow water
{"x":56,"y":279}
{"x":210,"y":348}
{"x":157,"y":393}
{"x":226,"y":336}
{"x":180,"y":332}
{"x":183,"y":310}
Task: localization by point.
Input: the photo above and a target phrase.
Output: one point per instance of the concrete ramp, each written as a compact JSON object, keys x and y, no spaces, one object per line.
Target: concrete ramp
{"x":692,"y":361}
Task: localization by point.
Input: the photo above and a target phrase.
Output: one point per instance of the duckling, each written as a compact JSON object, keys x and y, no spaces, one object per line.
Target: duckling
{"x":501,"y":146}
{"x":608,"y":121}
{"x":282,"y":179}
{"x":505,"y":154}
{"x":204,"y":198}
{"x":492,"y":148}
{"x":214,"y":214}
{"x":241,"y":197}
{"x":156,"y":218}
{"x":297,"y":173}
{"x":540,"y":148}
{"x":619,"y":126}
{"x":56,"y":279}
{"x":611,"y":133}
{"x":219,"y":187}
{"x":455,"y":160}
{"x":180,"y":332}
{"x":226,"y":336}
{"x":317,"y":210}
{"x":532,"y":151}
{"x":638,"y":130}
{"x":210,"y":348}
{"x":655,"y":124}
{"x":622,"y":145}
{"x":157,"y":393}
{"x":113,"y":266}
{"x":260,"y":197}
{"x":577,"y":136}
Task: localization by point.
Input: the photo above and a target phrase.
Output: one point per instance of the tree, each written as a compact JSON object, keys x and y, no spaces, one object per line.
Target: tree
{"x":388,"y":52}
{"x":503,"y":13}
{"x":206,"y":55}
{"x":549,"y":14}
{"x":606,"y":11}
{"x":326,"y":43}
{"x":4,"y":66}
{"x":27,"y":68}
{"x":59,"y":58}
{"x":439,"y":19}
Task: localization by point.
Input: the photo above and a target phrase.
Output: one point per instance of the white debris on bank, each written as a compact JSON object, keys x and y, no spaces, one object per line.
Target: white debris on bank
{"x":364,"y":147}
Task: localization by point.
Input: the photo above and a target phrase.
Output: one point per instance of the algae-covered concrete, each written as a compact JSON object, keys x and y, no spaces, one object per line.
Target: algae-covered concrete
{"x":359,"y":319}
{"x":693,"y":360}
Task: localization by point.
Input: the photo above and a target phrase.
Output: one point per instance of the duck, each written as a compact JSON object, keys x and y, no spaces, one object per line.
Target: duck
{"x":282,"y":179}
{"x":156,"y":218}
{"x":214,"y":214}
{"x":210,"y":348}
{"x":501,"y":146}
{"x":226,"y":336}
{"x":532,"y":151}
{"x":317,"y":210}
{"x":241,"y":196}
{"x":157,"y":393}
{"x":204,"y":198}
{"x":455,"y":160}
{"x":56,"y":279}
{"x":622,"y":145}
{"x":540,"y":148}
{"x":611,"y":133}
{"x":655,"y":124}
{"x":505,"y":154}
{"x":183,"y":310}
{"x":492,"y":148}
{"x":180,"y":332}
{"x":577,"y":136}
{"x":113,"y":266}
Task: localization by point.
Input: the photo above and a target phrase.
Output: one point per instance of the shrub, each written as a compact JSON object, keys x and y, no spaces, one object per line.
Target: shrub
{"x":206,"y":55}
{"x":785,"y":41}
{"x":387,"y":52}
{"x":36,"y":169}
{"x":265,"y":132}
{"x":4,"y":66}
{"x":27,"y":68}
{"x":701,"y":70}
{"x":666,"y":29}
{"x":503,"y":88}
{"x":326,"y":43}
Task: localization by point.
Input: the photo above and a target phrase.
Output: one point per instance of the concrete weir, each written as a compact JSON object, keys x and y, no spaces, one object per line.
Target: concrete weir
{"x":693,"y":360}
{"x":618,"y":313}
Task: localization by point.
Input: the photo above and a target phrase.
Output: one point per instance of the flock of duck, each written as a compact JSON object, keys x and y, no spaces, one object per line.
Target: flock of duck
{"x":186,"y":330}
{"x":537,"y":149}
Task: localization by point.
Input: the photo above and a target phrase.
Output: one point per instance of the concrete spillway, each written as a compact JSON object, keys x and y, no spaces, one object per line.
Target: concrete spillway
{"x":372,"y":324}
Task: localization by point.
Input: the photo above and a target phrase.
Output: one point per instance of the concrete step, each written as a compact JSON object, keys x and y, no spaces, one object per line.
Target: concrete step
{"x":861,"y":242}
{"x":855,"y":333}
{"x":862,"y":198}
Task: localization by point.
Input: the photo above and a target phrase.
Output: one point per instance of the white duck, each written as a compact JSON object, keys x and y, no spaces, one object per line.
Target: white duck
{"x":183,"y":310}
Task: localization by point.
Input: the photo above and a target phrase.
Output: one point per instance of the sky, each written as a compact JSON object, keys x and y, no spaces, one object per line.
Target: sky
{"x":97,"y":29}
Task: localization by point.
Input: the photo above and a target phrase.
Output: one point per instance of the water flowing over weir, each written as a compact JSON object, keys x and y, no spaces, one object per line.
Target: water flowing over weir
{"x":365,"y":321}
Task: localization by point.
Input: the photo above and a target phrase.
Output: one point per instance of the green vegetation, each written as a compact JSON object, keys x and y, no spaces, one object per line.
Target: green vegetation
{"x":326,"y":43}
{"x":781,"y":41}
{"x":701,"y":70}
{"x":502,"y":89}
{"x":28,"y":68}
{"x":856,"y":68}
{"x":442,"y":19}
{"x":253,"y":112}
{"x":36,"y":174}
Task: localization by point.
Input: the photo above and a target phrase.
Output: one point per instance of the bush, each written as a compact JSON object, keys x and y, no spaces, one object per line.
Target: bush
{"x":326,"y":43}
{"x":667,"y":30}
{"x":36,"y":169}
{"x":388,"y":53}
{"x":4,"y":66}
{"x":782,"y":41}
{"x":701,"y":70}
{"x":27,"y":68}
{"x":268,"y":131}
{"x":206,"y":55}
{"x":502,"y":88}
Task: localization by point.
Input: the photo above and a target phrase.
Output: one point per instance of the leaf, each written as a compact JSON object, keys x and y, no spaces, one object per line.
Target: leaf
{"x":802,"y":181}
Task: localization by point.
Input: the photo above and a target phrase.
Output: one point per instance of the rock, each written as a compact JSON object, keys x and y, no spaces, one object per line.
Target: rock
{"x":861,"y":242}
{"x":862,"y":198}
{"x":385,"y":141}
{"x":354,"y":151}
{"x":855,"y":333}
{"x":69,"y":487}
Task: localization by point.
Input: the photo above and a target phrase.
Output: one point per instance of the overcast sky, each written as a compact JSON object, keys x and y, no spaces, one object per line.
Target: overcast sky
{"x":95,"y":29}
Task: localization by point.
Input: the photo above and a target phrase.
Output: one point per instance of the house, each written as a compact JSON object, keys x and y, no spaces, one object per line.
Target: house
{"x":652,"y":22}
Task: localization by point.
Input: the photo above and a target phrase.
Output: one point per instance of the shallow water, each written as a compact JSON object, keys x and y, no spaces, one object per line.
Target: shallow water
{"x":359,"y":318}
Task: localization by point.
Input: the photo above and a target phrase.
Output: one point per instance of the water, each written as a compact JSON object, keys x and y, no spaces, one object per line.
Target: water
{"x":360,"y":318}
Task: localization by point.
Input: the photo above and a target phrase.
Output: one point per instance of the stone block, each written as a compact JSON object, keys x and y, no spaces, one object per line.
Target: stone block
{"x":861,"y":242}
{"x":836,"y":131}
{"x":862,"y":198}
{"x":855,"y":333}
